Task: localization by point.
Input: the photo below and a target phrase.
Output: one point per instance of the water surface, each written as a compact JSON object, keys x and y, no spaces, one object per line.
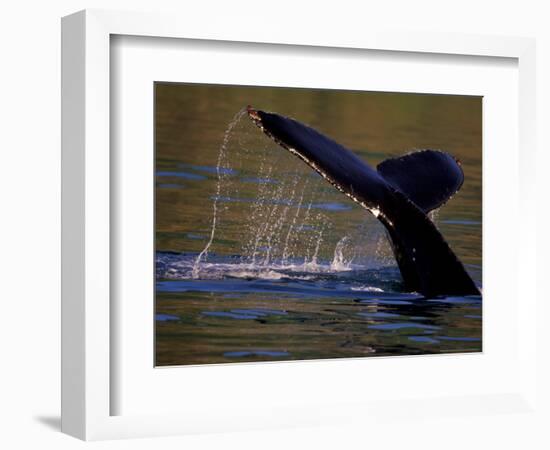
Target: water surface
{"x":257,"y":258}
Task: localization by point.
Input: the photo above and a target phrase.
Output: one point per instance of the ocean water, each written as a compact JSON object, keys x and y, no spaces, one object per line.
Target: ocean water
{"x":259,"y":259}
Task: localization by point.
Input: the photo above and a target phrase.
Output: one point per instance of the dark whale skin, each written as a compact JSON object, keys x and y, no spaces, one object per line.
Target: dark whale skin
{"x":426,"y":262}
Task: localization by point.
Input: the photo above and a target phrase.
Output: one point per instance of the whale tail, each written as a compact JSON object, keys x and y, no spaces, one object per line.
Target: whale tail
{"x":399,"y":193}
{"x":427,"y":177}
{"x":426,"y":262}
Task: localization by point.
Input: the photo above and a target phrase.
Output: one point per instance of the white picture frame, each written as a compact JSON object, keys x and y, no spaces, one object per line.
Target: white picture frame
{"x":87,"y":328}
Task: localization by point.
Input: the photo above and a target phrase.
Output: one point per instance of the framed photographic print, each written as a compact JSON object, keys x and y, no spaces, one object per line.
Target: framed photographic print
{"x":257,"y":231}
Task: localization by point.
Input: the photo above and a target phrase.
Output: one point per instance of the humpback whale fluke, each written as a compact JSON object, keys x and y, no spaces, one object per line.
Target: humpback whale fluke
{"x":399,"y":193}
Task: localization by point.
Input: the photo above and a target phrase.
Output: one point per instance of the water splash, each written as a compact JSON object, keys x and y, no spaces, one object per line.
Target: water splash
{"x":434,"y":215}
{"x":292,"y":220}
{"x":220,"y":174}
{"x":339,"y":262}
{"x":292,"y":225}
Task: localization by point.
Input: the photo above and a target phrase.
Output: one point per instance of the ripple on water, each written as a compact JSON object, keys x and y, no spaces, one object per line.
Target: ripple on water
{"x":468,"y":299}
{"x":165,"y":317}
{"x":242,"y":354}
{"x":459,"y":339}
{"x":331,"y":206}
{"x":186,"y":175}
{"x":261,"y":312}
{"x":398,"y":326}
{"x":423,"y":339}
{"x":376,"y":301}
{"x":245,"y":314}
{"x":195,"y":236}
{"x":379,"y":315}
{"x":461,"y":222}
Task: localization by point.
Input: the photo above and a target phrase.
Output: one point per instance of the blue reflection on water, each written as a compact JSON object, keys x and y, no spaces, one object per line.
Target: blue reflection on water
{"x":186,"y":175}
{"x":165,"y":317}
{"x":230,"y":315}
{"x":261,"y":312}
{"x":461,"y":222}
{"x":332,"y":206}
{"x":244,"y":314}
{"x":379,"y":315}
{"x":423,"y":339}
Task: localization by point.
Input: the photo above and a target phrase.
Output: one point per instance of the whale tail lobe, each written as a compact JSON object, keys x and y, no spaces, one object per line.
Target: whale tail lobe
{"x":429,"y":178}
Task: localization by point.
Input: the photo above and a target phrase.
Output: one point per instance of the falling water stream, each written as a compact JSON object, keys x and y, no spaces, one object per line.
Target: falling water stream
{"x":219,"y":185}
{"x":287,"y":220}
